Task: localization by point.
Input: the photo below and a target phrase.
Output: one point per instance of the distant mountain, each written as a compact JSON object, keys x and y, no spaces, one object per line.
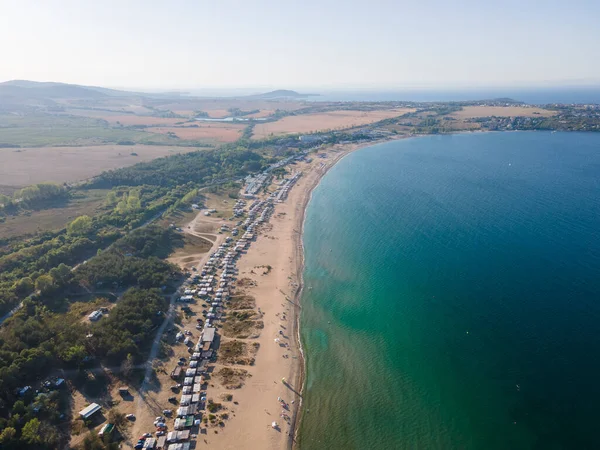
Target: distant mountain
{"x":281,"y":93}
{"x":25,"y":89}
{"x":18,"y":91}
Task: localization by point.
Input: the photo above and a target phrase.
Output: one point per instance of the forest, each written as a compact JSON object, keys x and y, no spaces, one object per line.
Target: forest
{"x":202,"y":167}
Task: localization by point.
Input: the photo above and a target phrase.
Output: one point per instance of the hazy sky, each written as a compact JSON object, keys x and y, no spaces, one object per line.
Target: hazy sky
{"x":309,"y":43}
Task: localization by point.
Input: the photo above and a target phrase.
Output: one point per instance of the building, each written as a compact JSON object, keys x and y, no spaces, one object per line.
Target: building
{"x":24,"y":391}
{"x":89,"y":411}
{"x":161,"y":443}
{"x":107,"y":429}
{"x":208,"y":335}
{"x":94,"y":316}
{"x":176,"y":372}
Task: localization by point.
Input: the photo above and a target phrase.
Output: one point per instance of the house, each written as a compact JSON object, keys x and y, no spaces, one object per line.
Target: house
{"x":184,"y":411}
{"x":180,"y":446}
{"x":161,"y":443}
{"x":24,"y":391}
{"x":208,"y":335}
{"x":94,"y":316}
{"x":107,"y":429}
{"x":176,"y":372}
{"x":89,"y":411}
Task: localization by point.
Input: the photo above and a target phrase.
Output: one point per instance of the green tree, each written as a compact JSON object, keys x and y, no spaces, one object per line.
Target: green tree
{"x":61,"y":274}
{"x":188,"y":198}
{"x":127,"y":366}
{"x":44,"y":283}
{"x":19,"y":407}
{"x":80,"y":226}
{"x":133,"y":201}
{"x":117,"y":418}
{"x":111,"y":198}
{"x":31,"y":432}
{"x":4,"y":200}
{"x":8,"y":437}
{"x":24,"y":286}
{"x":74,"y":355}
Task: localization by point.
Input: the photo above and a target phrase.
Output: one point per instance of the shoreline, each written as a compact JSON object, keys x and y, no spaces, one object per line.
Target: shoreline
{"x":265,"y":404}
{"x":299,"y":272}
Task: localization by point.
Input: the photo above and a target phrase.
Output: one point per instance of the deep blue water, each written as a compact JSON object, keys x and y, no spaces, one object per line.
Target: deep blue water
{"x":453,"y":295}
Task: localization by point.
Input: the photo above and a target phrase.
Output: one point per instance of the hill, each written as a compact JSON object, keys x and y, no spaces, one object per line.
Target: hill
{"x":281,"y":93}
{"x":25,"y":89}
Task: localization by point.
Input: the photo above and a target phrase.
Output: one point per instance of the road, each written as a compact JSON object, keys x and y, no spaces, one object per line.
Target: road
{"x":169,"y":316}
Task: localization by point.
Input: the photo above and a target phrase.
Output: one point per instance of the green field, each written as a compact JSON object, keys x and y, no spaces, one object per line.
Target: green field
{"x":83,"y":202}
{"x":89,"y":135}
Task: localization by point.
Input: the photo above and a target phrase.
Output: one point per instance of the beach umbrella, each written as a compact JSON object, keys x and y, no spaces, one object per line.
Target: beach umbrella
{"x":274,"y":424}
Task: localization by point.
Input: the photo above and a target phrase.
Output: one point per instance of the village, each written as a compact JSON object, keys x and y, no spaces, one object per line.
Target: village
{"x":188,"y":412}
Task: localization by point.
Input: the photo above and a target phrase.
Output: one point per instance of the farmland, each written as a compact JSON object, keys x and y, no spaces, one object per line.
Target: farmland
{"x":213,"y":132}
{"x":331,"y":120}
{"x":26,"y":166}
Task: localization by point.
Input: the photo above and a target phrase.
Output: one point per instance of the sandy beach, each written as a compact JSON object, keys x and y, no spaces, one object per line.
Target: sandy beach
{"x":279,"y":245}
{"x":245,"y":387}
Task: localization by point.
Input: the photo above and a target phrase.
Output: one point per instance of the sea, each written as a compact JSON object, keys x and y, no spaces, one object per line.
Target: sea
{"x":533,"y":96}
{"x":452,"y":295}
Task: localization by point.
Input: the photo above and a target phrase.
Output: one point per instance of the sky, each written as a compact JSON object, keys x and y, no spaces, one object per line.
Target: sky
{"x":331,"y":44}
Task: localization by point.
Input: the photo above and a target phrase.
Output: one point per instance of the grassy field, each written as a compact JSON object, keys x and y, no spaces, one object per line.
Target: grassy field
{"x":218,"y":132}
{"x":39,"y":136}
{"x":221,"y":199}
{"x":128,"y":120}
{"x":28,"y":166}
{"x":332,"y":120}
{"x":87,"y":202}
{"x":48,"y":120}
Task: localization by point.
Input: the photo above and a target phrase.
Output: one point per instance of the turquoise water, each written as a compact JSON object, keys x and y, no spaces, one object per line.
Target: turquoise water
{"x":453,"y":295}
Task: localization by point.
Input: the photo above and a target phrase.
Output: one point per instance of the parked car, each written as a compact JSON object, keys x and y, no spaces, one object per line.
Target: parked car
{"x":130,"y":416}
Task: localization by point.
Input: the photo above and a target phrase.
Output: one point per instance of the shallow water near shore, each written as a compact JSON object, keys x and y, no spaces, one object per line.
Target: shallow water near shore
{"x":452,"y":295}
